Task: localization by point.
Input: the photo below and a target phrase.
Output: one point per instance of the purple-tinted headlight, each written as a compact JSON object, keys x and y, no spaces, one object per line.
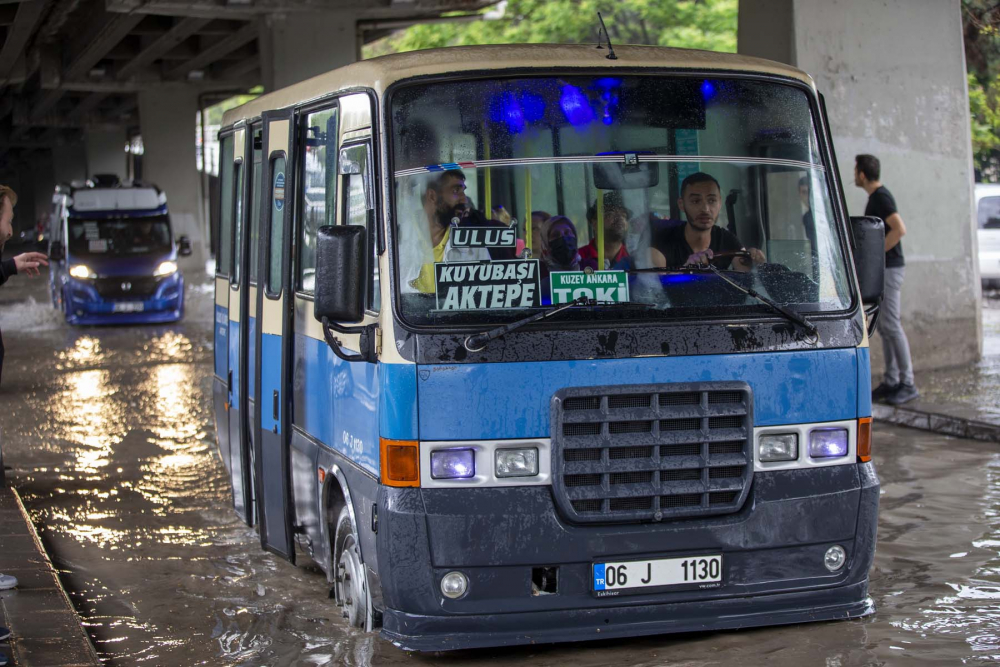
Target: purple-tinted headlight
{"x":453,"y":463}
{"x":828,"y":443}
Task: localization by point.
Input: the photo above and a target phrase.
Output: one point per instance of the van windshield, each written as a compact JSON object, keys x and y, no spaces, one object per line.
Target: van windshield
{"x":514,"y":194}
{"x":137,"y":236}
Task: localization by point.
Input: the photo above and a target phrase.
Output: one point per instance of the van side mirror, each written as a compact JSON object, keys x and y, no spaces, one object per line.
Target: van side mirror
{"x":183,"y":246}
{"x":56,"y":251}
{"x":340,"y":273}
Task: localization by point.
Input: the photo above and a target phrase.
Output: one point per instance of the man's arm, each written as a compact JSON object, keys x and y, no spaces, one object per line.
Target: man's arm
{"x":895,"y":232}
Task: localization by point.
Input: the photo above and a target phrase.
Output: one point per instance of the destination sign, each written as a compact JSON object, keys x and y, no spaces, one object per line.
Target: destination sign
{"x":487,"y":285}
{"x":483,"y":237}
{"x":606,"y":286}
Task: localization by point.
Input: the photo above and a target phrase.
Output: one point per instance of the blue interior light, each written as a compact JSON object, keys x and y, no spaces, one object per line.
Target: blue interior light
{"x":575,"y":106}
{"x":707,"y":89}
{"x":533,"y":105}
{"x":507,"y":110}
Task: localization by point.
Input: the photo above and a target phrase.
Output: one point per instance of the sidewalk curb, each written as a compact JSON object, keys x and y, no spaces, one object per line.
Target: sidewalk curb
{"x":29,"y":650}
{"x":937,"y":422}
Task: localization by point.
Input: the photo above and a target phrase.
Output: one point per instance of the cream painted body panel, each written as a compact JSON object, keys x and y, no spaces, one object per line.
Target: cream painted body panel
{"x":222,"y":291}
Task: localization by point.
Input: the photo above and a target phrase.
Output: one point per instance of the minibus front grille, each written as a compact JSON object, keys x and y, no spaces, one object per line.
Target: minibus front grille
{"x":126,"y":287}
{"x":651,"y":452}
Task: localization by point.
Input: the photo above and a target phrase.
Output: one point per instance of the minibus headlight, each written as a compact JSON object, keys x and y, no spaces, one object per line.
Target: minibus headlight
{"x":516,"y":462}
{"x":81,"y":271}
{"x":828,"y":443}
{"x":772,"y":447}
{"x":453,"y":463}
{"x":166,"y":269}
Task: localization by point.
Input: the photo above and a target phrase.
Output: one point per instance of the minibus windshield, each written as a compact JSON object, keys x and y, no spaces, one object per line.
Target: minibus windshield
{"x":515,"y":194}
{"x":102,"y":238}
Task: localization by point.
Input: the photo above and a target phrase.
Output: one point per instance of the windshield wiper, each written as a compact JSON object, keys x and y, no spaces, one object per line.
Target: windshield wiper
{"x":789,"y":314}
{"x":477,"y":342}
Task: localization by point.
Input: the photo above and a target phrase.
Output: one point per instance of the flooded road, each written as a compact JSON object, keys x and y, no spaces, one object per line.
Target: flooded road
{"x":109,"y":433}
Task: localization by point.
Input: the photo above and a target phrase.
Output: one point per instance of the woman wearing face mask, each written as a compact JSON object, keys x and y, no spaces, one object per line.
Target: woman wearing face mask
{"x":561,"y":251}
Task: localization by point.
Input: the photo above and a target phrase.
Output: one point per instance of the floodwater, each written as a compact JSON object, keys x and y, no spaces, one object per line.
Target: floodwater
{"x":109,"y":433}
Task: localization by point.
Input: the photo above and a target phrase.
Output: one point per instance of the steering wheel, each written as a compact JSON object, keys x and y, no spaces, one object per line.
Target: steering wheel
{"x":744,"y":254}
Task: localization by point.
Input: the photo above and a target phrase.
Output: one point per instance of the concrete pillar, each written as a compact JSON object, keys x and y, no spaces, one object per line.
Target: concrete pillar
{"x":301,"y":45}
{"x":167,"y":121}
{"x":69,"y":162}
{"x":893,"y":73}
{"x":105,"y":152}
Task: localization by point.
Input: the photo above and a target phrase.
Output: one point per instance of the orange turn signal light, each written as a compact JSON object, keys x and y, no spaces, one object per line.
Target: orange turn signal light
{"x":865,"y":439}
{"x":400,"y":462}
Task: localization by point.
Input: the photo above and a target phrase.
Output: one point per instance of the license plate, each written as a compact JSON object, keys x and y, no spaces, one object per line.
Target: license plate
{"x":129,"y":307}
{"x":639,"y":576}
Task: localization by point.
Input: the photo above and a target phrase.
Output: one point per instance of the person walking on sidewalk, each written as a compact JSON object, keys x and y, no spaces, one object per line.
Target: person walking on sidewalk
{"x":27,"y":262}
{"x":897,"y":385}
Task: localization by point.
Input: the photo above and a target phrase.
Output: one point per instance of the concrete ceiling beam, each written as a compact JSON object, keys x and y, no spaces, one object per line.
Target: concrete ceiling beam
{"x":111,"y":31}
{"x":29,"y":15}
{"x":217,"y":51}
{"x":214,"y":9}
{"x":183,"y":29}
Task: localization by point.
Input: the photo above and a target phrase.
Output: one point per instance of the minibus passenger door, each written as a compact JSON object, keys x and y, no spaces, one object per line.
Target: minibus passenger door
{"x":273,"y":347}
{"x":239,"y":452}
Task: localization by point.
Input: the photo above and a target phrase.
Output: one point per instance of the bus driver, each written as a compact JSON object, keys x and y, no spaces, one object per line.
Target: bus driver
{"x":700,"y":239}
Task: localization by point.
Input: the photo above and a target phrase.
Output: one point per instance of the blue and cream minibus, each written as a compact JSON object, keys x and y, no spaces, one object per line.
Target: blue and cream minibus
{"x":528,"y":344}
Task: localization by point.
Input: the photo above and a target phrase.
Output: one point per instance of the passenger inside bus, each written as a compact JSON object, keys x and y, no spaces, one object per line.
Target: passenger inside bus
{"x":700,"y":240}
{"x":616,"y":229}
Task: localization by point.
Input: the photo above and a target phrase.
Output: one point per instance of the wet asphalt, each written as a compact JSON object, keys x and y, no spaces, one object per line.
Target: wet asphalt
{"x":109,"y":434}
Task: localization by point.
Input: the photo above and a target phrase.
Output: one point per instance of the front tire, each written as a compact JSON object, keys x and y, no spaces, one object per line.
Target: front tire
{"x":351,"y":590}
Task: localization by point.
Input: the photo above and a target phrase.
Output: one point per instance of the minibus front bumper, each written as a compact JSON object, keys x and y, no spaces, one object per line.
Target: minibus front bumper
{"x":435,"y":633}
{"x":773,"y":569}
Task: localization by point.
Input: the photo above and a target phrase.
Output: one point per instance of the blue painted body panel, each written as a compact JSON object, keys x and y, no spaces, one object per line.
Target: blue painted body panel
{"x":864,"y":382}
{"x":336,"y":402}
{"x":270,"y":381}
{"x":496,"y":401}
{"x":398,"y":408}
{"x":221,"y":337}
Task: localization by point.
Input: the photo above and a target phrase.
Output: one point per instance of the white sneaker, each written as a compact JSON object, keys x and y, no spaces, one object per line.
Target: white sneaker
{"x":7,"y":581}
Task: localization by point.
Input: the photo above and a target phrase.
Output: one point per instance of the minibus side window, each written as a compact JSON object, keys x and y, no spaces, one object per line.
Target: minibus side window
{"x":357,"y":202}
{"x":255,"y":205}
{"x":238,"y":221}
{"x":277,"y":231}
{"x":224,"y":254}
{"x":319,"y":189}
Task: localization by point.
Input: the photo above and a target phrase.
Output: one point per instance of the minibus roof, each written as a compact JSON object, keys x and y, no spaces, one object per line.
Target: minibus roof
{"x":379,"y":73}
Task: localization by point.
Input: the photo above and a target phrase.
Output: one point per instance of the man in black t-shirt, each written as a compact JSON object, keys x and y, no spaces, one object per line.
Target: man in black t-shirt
{"x":699,"y":240}
{"x":897,"y":385}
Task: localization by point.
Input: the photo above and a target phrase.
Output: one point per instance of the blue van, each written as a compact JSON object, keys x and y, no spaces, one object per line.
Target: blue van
{"x":114,"y":259}
{"x":522,"y":344}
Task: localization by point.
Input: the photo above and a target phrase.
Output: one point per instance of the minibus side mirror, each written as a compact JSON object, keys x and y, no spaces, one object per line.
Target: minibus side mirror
{"x":183,"y":246}
{"x":341,"y":268}
{"x":869,"y":263}
{"x":56,"y":251}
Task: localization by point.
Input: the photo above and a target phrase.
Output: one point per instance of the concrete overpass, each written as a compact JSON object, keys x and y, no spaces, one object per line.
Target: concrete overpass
{"x":78,"y":75}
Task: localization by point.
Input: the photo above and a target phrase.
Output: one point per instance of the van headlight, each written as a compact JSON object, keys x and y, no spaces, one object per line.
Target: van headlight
{"x":81,"y":271}
{"x":166,"y":269}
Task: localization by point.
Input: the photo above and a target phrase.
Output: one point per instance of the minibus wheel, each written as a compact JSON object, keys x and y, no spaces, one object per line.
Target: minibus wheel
{"x":351,"y":585}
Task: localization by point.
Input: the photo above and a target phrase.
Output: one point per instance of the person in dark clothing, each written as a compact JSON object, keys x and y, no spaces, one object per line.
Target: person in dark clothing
{"x":26,"y":263}
{"x":897,"y":385}
{"x":700,"y":239}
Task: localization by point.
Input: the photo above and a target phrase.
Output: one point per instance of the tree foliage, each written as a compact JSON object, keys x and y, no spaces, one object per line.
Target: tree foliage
{"x":698,"y":24}
{"x":981,"y":30}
